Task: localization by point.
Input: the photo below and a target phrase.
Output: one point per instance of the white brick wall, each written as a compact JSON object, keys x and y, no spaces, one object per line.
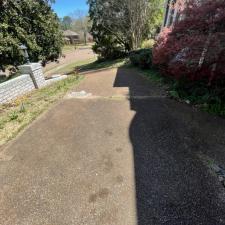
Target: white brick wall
{"x":16,"y":87}
{"x":39,"y":77}
{"x":33,"y":78}
{"x":35,"y":70}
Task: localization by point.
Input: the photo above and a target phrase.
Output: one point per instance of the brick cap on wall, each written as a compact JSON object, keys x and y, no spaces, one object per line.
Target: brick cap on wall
{"x":29,"y":67}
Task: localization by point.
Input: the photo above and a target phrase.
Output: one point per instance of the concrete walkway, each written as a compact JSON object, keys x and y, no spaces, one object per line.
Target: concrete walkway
{"x":126,"y":155}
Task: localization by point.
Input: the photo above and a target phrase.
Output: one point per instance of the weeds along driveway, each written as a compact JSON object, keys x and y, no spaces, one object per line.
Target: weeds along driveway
{"x":127,"y":155}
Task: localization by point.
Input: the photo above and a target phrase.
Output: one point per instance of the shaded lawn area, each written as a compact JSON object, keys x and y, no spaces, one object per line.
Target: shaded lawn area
{"x":88,"y":65}
{"x":98,"y":65}
{"x":69,"y":68}
{"x":16,"y":115}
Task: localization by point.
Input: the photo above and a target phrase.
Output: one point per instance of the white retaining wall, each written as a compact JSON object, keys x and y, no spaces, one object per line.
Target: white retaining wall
{"x":36,"y":73}
{"x":16,"y":87}
{"x":33,"y":79}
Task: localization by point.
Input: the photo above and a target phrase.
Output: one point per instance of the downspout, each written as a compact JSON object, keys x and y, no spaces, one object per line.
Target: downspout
{"x":169,"y":14}
{"x":165,"y":16}
{"x":175,"y":14}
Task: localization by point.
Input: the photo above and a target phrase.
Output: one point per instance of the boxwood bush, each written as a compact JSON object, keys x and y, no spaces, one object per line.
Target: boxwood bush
{"x":141,"y":58}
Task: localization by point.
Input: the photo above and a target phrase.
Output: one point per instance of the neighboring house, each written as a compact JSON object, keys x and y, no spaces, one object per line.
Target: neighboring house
{"x":71,"y":37}
{"x":87,"y":35}
{"x":66,"y":40}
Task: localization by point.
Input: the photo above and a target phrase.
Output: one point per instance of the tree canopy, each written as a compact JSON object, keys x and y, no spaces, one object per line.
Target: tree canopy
{"x":119,"y":26}
{"x":66,"y":22}
{"x":32,"y":23}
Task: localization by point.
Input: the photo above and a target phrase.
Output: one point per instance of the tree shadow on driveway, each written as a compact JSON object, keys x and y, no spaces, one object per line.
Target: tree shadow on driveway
{"x":174,"y":185}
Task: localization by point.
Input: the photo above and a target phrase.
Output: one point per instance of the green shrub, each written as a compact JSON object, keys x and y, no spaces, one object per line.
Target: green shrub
{"x":209,"y":98}
{"x":141,"y":58}
{"x":148,"y":43}
{"x":109,"y":51}
{"x":135,"y":58}
{"x":145,"y":59}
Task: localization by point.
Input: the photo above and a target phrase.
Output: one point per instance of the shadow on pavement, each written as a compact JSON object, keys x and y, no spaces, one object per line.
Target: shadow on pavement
{"x":174,"y":185}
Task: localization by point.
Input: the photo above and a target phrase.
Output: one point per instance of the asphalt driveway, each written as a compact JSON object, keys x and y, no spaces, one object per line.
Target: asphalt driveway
{"x":127,"y":155}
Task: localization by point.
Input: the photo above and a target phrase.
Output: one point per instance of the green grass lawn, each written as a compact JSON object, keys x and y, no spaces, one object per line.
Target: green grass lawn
{"x":15,"y":116}
{"x":69,"y":68}
{"x":98,"y":65}
{"x":70,"y":48}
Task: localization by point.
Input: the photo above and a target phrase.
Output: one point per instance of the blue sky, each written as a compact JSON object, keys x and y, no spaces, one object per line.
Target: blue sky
{"x":65,"y":7}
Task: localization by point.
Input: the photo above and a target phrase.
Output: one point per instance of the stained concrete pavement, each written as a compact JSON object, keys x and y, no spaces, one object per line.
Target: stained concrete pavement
{"x":127,"y":155}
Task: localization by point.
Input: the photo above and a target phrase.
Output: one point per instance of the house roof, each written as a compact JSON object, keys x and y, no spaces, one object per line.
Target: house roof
{"x":70,"y":33}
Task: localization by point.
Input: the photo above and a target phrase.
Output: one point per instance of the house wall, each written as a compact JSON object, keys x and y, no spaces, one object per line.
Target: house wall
{"x":73,"y":39}
{"x":171,"y":14}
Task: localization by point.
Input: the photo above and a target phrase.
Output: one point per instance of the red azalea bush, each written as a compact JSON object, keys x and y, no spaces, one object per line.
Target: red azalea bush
{"x":194,"y":48}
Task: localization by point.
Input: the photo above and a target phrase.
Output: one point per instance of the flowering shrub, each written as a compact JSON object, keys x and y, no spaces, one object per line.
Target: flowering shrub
{"x":194,"y":48}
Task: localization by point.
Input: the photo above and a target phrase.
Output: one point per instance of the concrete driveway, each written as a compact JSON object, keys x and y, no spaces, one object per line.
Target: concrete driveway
{"x":126,"y":155}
